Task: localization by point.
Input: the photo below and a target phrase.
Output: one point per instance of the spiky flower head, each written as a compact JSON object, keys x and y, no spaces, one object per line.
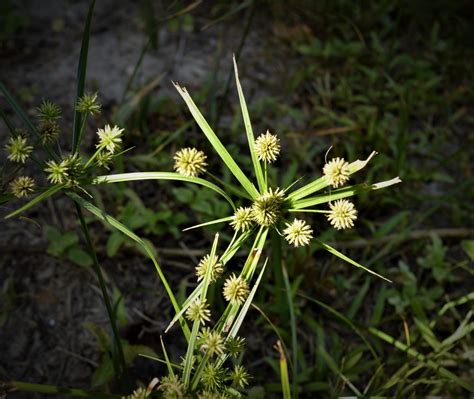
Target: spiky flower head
{"x":103,"y":159}
{"x":236,"y":290}
{"x":342,"y":215}
{"x":337,"y":172}
{"x":205,"y":263}
{"x":212,"y":342}
{"x":88,"y":104}
{"x":75,"y":169}
{"x":57,"y":171}
{"x":239,"y":377}
{"x":242,"y":219}
{"x":267,"y":147}
{"x":172,"y":387}
{"x":199,"y":311}
{"x":22,"y":186}
{"x":298,"y":233}
{"x":190,"y":162}
{"x":49,"y":131}
{"x":212,"y":395}
{"x":48,"y":111}
{"x":18,"y":149}
{"x":234,"y":346}
{"x":266,"y":209}
{"x":213,"y":377}
{"x":110,"y":138}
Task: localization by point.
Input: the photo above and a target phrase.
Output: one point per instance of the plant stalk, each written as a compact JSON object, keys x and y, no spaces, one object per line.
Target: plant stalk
{"x":97,"y":269}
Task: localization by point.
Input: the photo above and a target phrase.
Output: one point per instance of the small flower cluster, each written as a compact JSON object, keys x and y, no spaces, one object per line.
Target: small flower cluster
{"x":190,"y":162}
{"x":48,"y":115}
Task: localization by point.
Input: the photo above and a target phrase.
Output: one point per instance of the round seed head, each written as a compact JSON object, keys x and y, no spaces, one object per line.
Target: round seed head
{"x":342,"y":215}
{"x":242,"y":219}
{"x":213,"y":377}
{"x":18,"y":149}
{"x":235,"y":345}
{"x":88,"y":104}
{"x":337,"y":172}
{"x":212,"y":343}
{"x":190,"y":162}
{"x":203,"y":266}
{"x":298,"y":233}
{"x":267,"y":147}
{"x":236,"y":290}
{"x":75,"y":169}
{"x":22,"y":186}
{"x":240,"y":377}
{"x":199,"y":311}
{"x":110,"y":138}
{"x":48,"y":111}
{"x":57,"y":171}
{"x":172,"y":387}
{"x":266,"y":209}
{"x":49,"y":131}
{"x":103,"y":160}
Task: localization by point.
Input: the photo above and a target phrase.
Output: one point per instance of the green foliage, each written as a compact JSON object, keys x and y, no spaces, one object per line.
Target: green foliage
{"x":66,"y":246}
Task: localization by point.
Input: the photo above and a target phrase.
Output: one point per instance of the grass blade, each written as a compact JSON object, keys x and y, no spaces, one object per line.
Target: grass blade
{"x":285,"y":381}
{"x":41,"y":197}
{"x":101,"y":215}
{"x":216,"y":221}
{"x":423,"y":359}
{"x":161,"y":176}
{"x":322,"y":182}
{"x":81,"y":79}
{"x":343,"y":193}
{"x":347,"y":259}
{"x":248,"y":128}
{"x":216,"y":143}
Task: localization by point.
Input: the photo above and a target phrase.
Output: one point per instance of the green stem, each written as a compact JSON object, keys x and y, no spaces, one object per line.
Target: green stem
{"x":105,"y":296}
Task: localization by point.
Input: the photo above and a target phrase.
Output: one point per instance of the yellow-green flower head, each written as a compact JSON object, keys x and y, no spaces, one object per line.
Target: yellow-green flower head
{"x":57,"y":171}
{"x":75,"y":169}
{"x":199,"y":310}
{"x":337,"y":172}
{"x":213,"y":377}
{"x":203,"y":266}
{"x":48,"y":111}
{"x":22,"y":186}
{"x":267,"y":208}
{"x":172,"y":387}
{"x":236,"y":290}
{"x":18,"y":149}
{"x":110,"y":138}
{"x":212,"y":395}
{"x":88,"y":104}
{"x":267,"y":147}
{"x":49,"y":131}
{"x":298,"y":233}
{"x":234,"y":345}
{"x":103,"y":159}
{"x":342,"y":215}
{"x":240,"y":377}
{"x":212,"y":343}
{"x":139,"y":393}
{"x":190,"y":162}
{"x":242,"y":219}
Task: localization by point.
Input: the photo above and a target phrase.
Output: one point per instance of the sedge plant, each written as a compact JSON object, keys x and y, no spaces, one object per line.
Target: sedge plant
{"x":211,"y":365}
